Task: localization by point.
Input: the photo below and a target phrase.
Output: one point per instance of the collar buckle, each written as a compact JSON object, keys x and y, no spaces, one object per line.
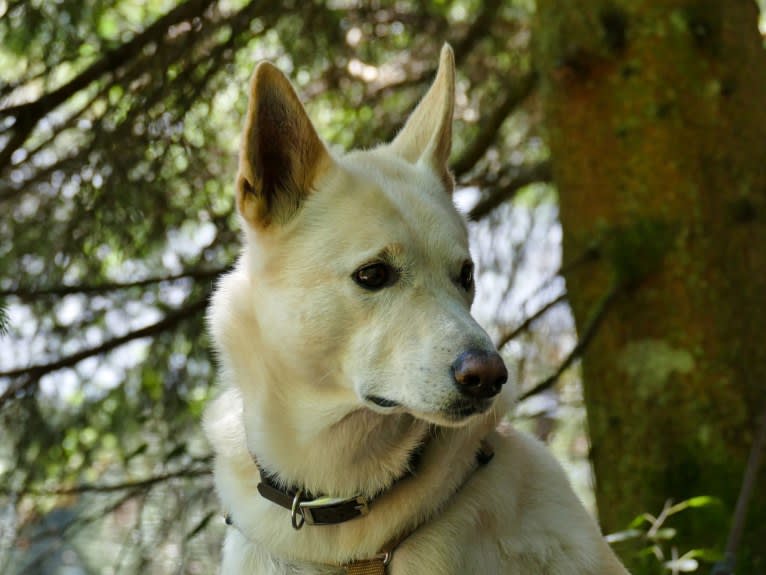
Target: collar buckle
{"x":332,"y":510}
{"x":297,"y":515}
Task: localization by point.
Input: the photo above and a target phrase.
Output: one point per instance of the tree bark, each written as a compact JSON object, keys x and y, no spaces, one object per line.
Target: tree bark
{"x":656,"y":116}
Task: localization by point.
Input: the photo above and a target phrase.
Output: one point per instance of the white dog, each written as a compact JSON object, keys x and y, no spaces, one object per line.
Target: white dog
{"x":355,"y":432}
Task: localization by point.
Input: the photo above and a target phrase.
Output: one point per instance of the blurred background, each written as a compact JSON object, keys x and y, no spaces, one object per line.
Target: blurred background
{"x":609,"y":158}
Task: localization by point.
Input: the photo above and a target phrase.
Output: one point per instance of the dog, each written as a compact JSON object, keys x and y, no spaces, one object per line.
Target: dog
{"x":357,"y":430}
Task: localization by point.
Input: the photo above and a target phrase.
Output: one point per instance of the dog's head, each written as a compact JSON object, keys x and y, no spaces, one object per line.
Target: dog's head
{"x":360,"y":273}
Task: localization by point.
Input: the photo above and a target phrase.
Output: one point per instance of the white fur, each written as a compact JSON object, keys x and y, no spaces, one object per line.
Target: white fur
{"x":301,"y":346}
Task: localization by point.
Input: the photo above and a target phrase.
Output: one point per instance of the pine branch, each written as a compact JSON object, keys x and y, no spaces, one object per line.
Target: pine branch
{"x":480,"y":28}
{"x":462,"y":48}
{"x":135,"y":484}
{"x":28,"y":115}
{"x":28,"y":377}
{"x":495,"y":196}
{"x":28,"y":293}
{"x":515,"y":94}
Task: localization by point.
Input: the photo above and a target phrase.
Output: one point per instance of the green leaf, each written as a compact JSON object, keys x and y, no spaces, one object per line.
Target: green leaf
{"x":694,"y":502}
{"x":708,"y":555}
{"x":640,"y":520}
{"x":626,"y":535}
{"x":665,"y":534}
{"x":683,"y":565}
{"x":108,"y":26}
{"x":702,"y":501}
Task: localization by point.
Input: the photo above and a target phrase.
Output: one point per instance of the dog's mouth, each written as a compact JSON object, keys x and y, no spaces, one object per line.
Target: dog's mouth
{"x":462,"y":410}
{"x":382,"y":402}
{"x":456,"y":413}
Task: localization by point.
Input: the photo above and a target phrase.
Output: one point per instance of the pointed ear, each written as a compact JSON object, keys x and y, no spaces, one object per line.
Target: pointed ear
{"x":281,"y":152}
{"x":427,"y":134}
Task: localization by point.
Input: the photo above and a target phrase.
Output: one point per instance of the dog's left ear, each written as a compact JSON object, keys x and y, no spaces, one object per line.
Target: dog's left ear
{"x":427,"y":135}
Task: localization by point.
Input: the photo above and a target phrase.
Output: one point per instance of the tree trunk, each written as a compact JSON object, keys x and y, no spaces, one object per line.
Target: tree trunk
{"x":656,"y":116}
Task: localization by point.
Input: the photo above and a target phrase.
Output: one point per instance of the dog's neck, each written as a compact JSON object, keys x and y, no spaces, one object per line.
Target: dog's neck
{"x":360,"y":454}
{"x":339,"y":451}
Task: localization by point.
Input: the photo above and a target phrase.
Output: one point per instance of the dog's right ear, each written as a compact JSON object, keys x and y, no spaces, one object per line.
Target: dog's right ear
{"x":281,"y":155}
{"x":427,"y":134}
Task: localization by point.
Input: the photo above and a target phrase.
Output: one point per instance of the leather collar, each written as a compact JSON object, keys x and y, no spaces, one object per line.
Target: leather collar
{"x":306,"y":507}
{"x":328,"y":511}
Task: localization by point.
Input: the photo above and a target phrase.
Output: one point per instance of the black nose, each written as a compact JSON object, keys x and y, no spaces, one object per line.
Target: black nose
{"x":479,"y":374}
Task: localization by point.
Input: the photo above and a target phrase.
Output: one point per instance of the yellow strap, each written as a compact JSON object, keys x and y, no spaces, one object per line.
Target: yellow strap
{"x":374,"y":566}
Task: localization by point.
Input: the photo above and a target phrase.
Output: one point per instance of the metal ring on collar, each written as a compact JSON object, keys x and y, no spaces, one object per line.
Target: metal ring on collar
{"x":296,"y":511}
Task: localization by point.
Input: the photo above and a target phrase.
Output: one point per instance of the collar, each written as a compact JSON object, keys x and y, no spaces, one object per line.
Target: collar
{"x":308,"y":508}
{"x":312,"y":509}
{"x":322,"y":510}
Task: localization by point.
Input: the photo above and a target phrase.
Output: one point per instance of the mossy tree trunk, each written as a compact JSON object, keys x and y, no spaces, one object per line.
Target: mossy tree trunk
{"x":656,"y":114}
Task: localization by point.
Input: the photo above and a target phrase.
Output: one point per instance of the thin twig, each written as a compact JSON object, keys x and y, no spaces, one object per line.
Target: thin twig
{"x":582,"y":343}
{"x":588,"y":255}
{"x":495,"y":196}
{"x":525,"y":325}
{"x":727,"y":565}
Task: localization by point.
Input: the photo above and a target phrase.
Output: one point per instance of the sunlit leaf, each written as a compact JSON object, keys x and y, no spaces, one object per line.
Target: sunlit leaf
{"x":684,"y":565}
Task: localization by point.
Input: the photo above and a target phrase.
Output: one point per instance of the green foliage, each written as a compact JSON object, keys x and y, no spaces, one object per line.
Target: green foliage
{"x":650,"y":540}
{"x":119,"y":126}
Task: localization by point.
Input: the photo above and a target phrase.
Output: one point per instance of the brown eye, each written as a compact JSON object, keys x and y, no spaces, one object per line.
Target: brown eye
{"x":375,"y":276}
{"x":466,"y":276}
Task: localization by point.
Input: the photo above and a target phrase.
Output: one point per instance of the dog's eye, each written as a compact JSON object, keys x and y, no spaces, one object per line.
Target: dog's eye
{"x":466,"y":276}
{"x":375,"y":276}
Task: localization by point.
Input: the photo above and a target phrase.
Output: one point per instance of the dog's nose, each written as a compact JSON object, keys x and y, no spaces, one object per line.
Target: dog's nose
{"x":479,"y":373}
